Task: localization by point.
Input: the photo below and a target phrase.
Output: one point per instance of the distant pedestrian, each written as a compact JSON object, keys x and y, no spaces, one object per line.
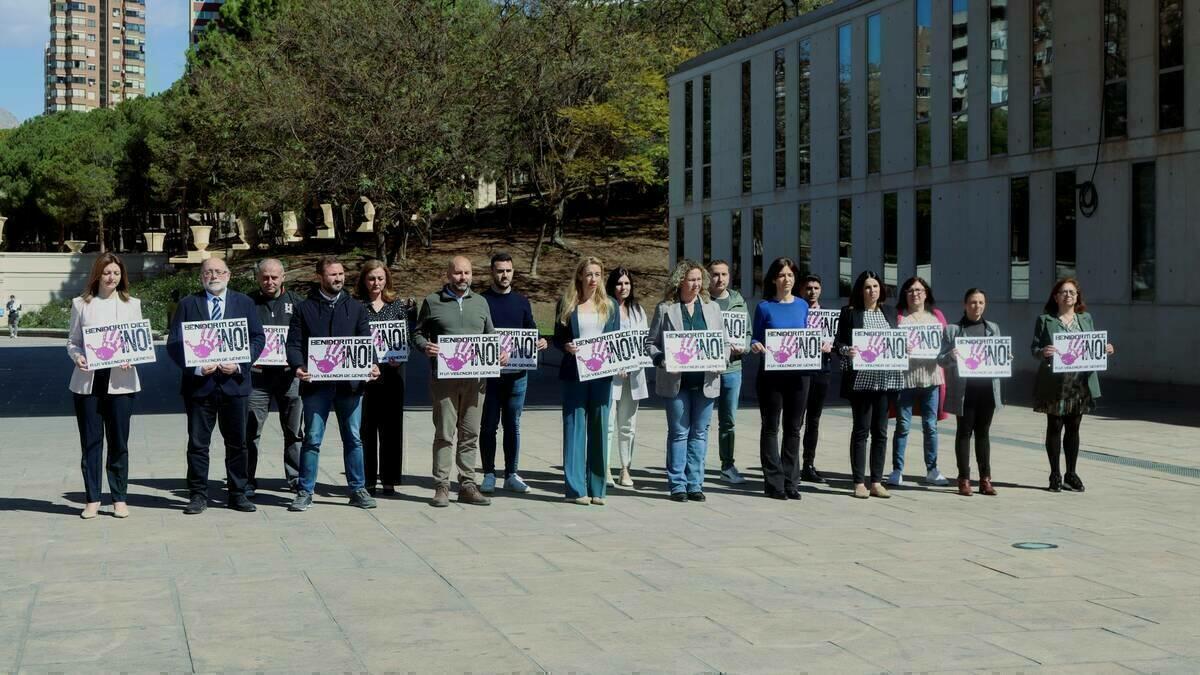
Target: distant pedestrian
{"x":13,"y":309}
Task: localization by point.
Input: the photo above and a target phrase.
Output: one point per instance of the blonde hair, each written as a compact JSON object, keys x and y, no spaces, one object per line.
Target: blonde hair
{"x":682,"y":268}
{"x":571,"y":294}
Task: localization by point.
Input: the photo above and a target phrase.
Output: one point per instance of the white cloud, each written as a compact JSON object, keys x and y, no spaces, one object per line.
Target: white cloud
{"x":27,"y":23}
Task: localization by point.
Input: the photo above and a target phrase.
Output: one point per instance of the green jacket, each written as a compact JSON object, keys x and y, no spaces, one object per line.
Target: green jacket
{"x":734,"y":303}
{"x":441,"y":314}
{"x":1047,"y":386}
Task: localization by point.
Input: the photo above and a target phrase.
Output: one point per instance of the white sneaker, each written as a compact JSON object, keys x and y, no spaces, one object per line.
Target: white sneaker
{"x":488,"y":486}
{"x":732,"y":476}
{"x":935,"y":477}
{"x":514,"y":484}
{"x":895,"y":478}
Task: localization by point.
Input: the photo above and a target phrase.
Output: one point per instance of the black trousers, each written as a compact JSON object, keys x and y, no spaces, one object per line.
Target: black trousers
{"x":285,"y":392}
{"x":229,"y":414}
{"x":781,"y":394}
{"x":979,"y":406}
{"x":382,"y":427}
{"x":817,"y":388}
{"x":1062,"y":433}
{"x":99,"y":416}
{"x":870,"y":411}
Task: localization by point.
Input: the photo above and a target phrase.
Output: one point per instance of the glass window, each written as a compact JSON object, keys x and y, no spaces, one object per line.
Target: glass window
{"x":805,"y":259}
{"x":1143,"y":217}
{"x":1043,"y":74}
{"x":845,"y":247}
{"x":678,"y":239}
{"x":780,"y":72}
{"x":1116,"y":46}
{"x":1170,"y":64}
{"x":874,"y":93}
{"x":924,"y":46}
{"x":804,"y":131}
{"x":735,"y":256}
{"x":747,"y":135}
{"x":706,"y":142}
{"x":687,"y":141}
{"x":844,"y":80}
{"x":706,"y":238}
{"x":998,"y":81}
{"x":756,"y":250}
{"x":891,"y":258}
{"x":958,"y":80}
{"x":923,"y":224}
{"x":1018,"y":236}
{"x":1064,"y":224}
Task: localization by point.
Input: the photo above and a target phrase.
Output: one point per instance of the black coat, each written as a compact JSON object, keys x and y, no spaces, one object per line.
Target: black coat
{"x":851,"y":319}
{"x":195,"y":308}
{"x":316,"y":317}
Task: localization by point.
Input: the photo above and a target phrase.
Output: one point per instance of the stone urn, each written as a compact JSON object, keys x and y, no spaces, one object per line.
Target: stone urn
{"x":200,"y":235}
{"x":290,"y":227}
{"x":75,"y":245}
{"x":154,"y":241}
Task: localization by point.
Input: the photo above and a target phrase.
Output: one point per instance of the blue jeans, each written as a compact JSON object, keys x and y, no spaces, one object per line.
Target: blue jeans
{"x":727,"y":406}
{"x":585,"y":436}
{"x":503,"y":403}
{"x":317,"y":405}
{"x":927,"y":398}
{"x":688,"y":415}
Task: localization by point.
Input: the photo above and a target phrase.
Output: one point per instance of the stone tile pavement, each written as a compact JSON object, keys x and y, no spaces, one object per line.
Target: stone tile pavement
{"x":925,"y":581}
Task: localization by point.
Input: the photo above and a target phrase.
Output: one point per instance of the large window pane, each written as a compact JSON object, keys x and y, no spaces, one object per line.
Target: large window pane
{"x":780,"y":118}
{"x":688,"y":129}
{"x":747,"y":133}
{"x":845,"y":247}
{"x":706,"y":238}
{"x":1143,"y":217}
{"x":845,"y":73}
{"x":1018,"y":234}
{"x":679,"y":229}
{"x":1064,"y":224}
{"x":922,"y":79}
{"x":923,"y":223}
{"x":757,"y":250}
{"x":998,"y":81}
{"x":735,"y":255}
{"x":891,"y":257}
{"x":706,"y":131}
{"x":958,"y":80}
{"x":874,"y":92}
{"x":804,"y":141}
{"x":805,"y":238}
{"x":1043,"y":74}
{"x":1116,"y":39}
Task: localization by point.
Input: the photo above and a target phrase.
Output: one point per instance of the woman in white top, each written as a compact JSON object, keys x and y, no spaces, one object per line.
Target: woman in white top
{"x":103,"y":398}
{"x":627,"y":388}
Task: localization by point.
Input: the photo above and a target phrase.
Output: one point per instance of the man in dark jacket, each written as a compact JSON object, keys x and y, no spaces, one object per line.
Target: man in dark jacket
{"x":215,"y":394}
{"x":275,"y":306}
{"x":329,"y":311}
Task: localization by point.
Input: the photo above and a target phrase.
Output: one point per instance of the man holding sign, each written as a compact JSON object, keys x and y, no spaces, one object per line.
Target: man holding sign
{"x":454,"y":310}
{"x":505,"y":399}
{"x":216,"y":383}
{"x":736,"y":318}
{"x":271,"y":379}
{"x":328,"y":314}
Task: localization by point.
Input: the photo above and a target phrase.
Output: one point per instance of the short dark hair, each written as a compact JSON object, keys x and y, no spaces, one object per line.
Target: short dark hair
{"x":856,"y":293}
{"x":972,"y":291}
{"x":902,"y":301}
{"x":502,"y":256}
{"x":718,"y":261}
{"x":812,"y":277}
{"x":773,"y":271}
{"x":327,"y":260}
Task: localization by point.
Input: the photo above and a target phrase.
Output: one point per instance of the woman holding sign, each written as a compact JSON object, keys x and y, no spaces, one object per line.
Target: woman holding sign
{"x":869,"y":391}
{"x":103,"y":397}
{"x":974,"y":400}
{"x":1063,"y":397}
{"x":923,"y":386}
{"x":627,"y":388}
{"x":781,"y":393}
{"x":690,"y":350}
{"x":382,"y":425}
{"x":584,"y":311}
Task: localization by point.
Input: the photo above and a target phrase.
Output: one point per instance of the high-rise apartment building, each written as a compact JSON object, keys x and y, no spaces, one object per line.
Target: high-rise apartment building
{"x":204,"y":12}
{"x":96,"y":56}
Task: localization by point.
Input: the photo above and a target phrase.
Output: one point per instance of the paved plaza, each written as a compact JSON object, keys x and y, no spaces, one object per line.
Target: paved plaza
{"x":925,"y":581}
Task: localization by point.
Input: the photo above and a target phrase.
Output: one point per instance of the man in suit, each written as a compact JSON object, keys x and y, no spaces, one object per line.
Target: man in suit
{"x":329,"y":311}
{"x":216,"y":394}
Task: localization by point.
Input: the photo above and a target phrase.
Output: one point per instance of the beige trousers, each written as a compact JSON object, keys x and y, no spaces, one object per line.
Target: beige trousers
{"x":457,"y":409}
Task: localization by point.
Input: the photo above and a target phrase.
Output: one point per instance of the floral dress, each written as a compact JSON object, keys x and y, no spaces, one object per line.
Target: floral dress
{"x":1074,"y":397}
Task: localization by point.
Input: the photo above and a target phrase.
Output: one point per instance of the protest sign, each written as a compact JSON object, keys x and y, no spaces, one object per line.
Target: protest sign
{"x":207,"y":343}
{"x":341,"y":358}
{"x":391,"y":340}
{"x":792,"y":349}
{"x":521,"y":345}
{"x":695,"y":350}
{"x":984,"y":356}
{"x":466,"y":356}
{"x":880,"y":349}
{"x":827,"y":321}
{"x":924,"y":340}
{"x":1080,"y":352}
{"x":274,"y":351}
{"x":118,"y":344}
{"x":737,"y":327}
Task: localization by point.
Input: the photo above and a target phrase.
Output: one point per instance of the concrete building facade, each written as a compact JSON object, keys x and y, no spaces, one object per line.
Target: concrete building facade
{"x":96,"y":56}
{"x":993,"y":143}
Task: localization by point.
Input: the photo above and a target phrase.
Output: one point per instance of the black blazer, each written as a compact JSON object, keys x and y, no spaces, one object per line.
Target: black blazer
{"x":850,"y":319}
{"x":315,"y":317}
{"x":569,"y":368}
{"x":195,"y":308}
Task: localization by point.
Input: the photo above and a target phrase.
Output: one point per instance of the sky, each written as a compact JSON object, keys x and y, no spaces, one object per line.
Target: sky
{"x":26,"y":29}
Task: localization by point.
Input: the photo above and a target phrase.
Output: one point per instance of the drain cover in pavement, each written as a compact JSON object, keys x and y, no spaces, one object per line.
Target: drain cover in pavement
{"x":1033,"y":545}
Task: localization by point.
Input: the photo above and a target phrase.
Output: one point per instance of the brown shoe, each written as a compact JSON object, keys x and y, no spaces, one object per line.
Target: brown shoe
{"x":441,"y":497}
{"x":860,"y":491}
{"x":470,"y":494}
{"x":964,"y":486}
{"x":877,"y":490}
{"x":985,"y":486}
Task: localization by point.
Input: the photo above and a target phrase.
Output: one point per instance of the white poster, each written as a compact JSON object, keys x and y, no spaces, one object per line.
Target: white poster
{"x":466,"y":356}
{"x":521,"y":346}
{"x":984,"y":356}
{"x":341,"y":358}
{"x":880,"y":349}
{"x":737,"y":327}
{"x":207,"y":343}
{"x":608,"y":354}
{"x":118,"y":344}
{"x":274,"y":351}
{"x":1080,"y":352}
{"x":695,"y":350}
{"x":643,"y":342}
{"x":826,"y":320}
{"x":924,"y":340}
{"x":792,"y":349}
{"x":391,"y":340}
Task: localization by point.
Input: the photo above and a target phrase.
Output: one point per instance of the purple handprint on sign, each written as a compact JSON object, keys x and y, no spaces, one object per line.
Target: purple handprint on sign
{"x":976,"y":358}
{"x":209,"y":341}
{"x":506,"y":344}
{"x":111,"y":344}
{"x":872,"y":352}
{"x":787,"y":347}
{"x":1074,"y":351}
{"x":687,"y":351}
{"x":273,"y":344}
{"x":381,"y":344}
{"x":334,"y":355}
{"x":461,"y":357}
{"x":598,"y":358}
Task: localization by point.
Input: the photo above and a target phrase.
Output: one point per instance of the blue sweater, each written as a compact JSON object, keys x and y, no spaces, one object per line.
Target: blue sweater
{"x":509,"y":310}
{"x":777,"y":315}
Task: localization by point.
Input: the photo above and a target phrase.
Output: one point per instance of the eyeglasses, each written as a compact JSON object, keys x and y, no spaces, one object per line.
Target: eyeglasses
{"x":1068,"y":292}
{"x":915,"y":291}
{"x":208,"y":274}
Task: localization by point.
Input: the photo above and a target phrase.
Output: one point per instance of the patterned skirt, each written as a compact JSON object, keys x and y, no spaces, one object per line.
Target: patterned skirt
{"x":1074,"y":397}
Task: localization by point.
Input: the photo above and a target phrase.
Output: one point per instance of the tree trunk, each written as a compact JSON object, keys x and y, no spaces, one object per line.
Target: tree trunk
{"x":537,"y":249}
{"x":560,"y":212}
{"x":380,"y":234}
{"x":605,"y":203}
{"x":100,"y":229}
{"x":508,"y":225}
